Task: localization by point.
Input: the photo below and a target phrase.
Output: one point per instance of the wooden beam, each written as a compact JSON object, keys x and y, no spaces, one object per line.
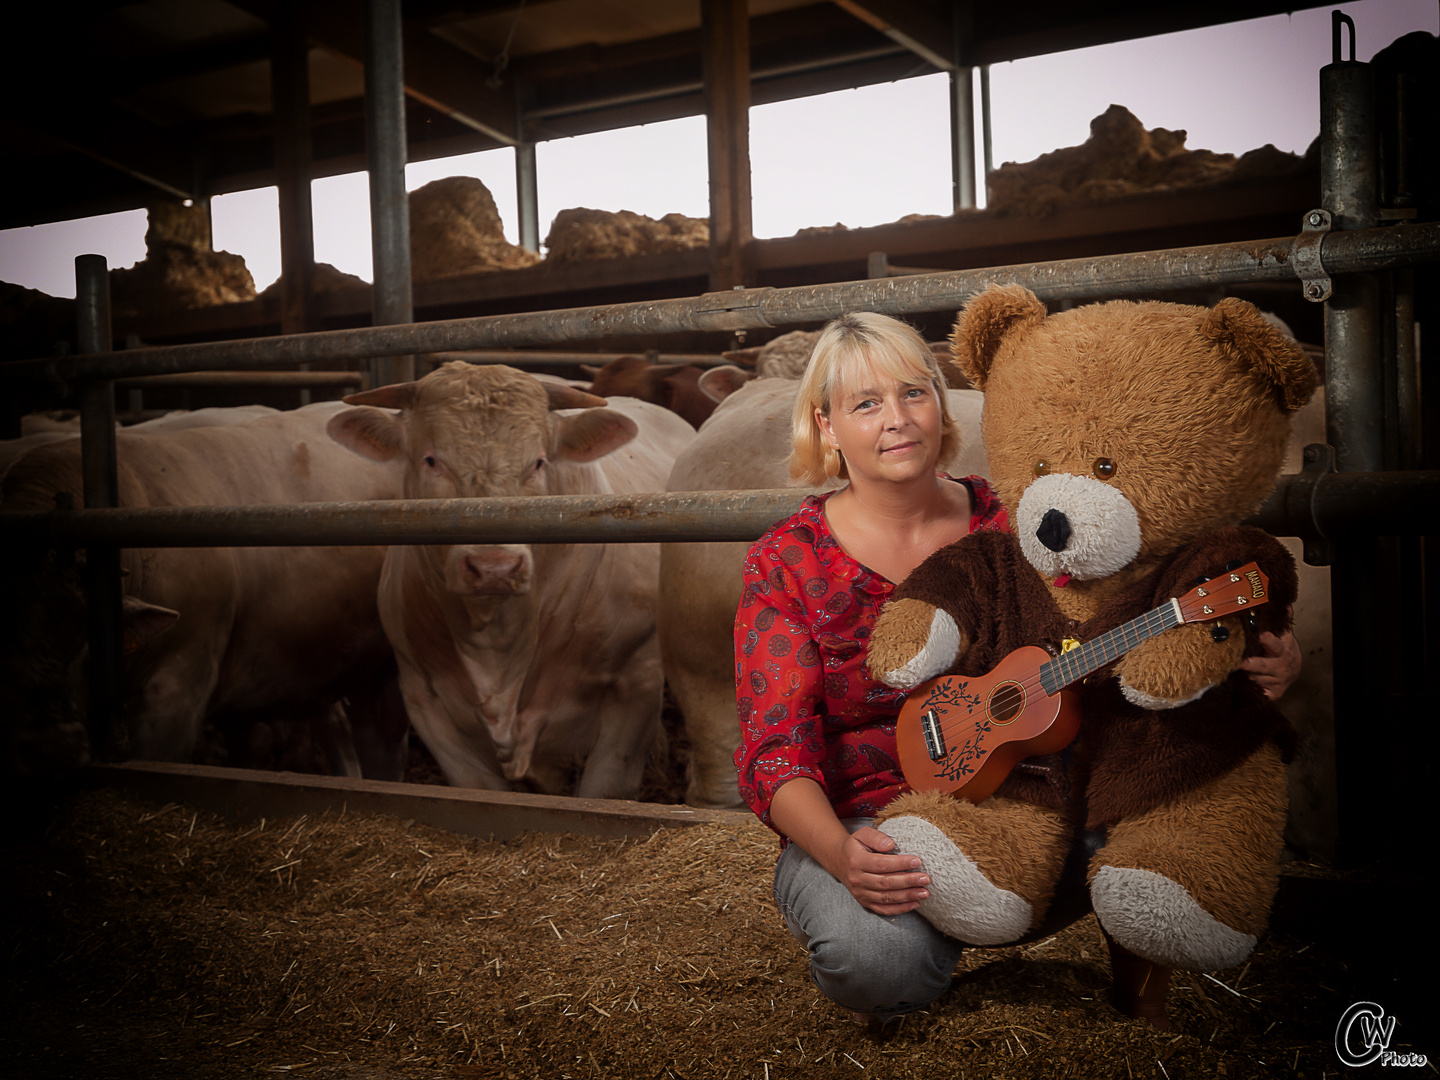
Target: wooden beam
{"x":923,"y":28}
{"x":249,"y":794}
{"x":290,"y":99}
{"x":724,"y":28}
{"x":444,"y":77}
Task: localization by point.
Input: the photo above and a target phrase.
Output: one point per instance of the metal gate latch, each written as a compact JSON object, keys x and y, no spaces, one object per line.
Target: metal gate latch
{"x":1305,"y":256}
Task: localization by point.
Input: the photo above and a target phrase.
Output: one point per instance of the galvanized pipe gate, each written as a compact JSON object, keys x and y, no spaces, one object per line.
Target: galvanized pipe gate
{"x":1339,"y":256}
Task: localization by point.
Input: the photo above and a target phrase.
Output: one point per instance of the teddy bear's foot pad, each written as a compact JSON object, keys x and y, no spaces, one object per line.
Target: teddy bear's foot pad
{"x":1157,"y":919}
{"x":963,"y":902}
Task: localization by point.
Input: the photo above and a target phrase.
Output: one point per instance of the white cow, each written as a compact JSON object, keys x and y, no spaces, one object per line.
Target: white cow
{"x":522,"y":666}
{"x":38,"y":429}
{"x":744,"y":445}
{"x":258,"y":635}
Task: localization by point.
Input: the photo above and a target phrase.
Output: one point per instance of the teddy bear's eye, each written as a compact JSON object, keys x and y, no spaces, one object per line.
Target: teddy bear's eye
{"x":1104,"y":468}
{"x":1042,"y":468}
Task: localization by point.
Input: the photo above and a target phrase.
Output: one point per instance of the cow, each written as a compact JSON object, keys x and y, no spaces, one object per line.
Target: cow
{"x":744,"y":445}
{"x":39,"y":429}
{"x":674,"y":386}
{"x":216,"y":639}
{"x":522,"y":667}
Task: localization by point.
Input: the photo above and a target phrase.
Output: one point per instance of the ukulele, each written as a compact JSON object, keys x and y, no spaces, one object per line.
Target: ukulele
{"x":962,"y":735}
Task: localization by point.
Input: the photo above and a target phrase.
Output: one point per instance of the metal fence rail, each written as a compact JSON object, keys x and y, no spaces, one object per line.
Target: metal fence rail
{"x":1331,"y":505}
{"x":750,"y":309}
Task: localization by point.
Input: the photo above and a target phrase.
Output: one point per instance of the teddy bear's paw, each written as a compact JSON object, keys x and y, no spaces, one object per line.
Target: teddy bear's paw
{"x":1158,"y":919}
{"x":963,"y":902}
{"x":912,"y":642}
{"x":1150,"y":701}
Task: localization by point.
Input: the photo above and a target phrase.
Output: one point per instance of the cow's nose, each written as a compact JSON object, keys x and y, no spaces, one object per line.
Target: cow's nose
{"x":1054,"y":530}
{"x":495,"y":571}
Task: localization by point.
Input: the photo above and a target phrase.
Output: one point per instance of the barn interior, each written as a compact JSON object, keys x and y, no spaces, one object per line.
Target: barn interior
{"x":165,"y":105}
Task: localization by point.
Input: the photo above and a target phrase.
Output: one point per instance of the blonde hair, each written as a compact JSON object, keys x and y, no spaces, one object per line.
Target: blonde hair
{"x":852,"y":348}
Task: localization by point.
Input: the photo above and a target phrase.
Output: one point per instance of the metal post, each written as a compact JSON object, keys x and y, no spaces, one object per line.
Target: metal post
{"x":290,"y":95}
{"x":1348,"y":177}
{"x":527,"y":190}
{"x":1364,"y":578}
{"x":985,"y":119}
{"x":962,"y":137}
{"x":99,"y":471}
{"x":389,"y":202}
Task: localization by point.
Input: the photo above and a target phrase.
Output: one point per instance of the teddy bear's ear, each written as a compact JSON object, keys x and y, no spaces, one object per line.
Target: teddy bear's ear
{"x":985,"y":321}
{"x":1238,"y":327}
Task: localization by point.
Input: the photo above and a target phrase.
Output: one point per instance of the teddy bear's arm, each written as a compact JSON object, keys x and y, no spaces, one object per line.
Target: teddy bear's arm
{"x":913,"y":641}
{"x":1181,"y":664}
{"x":937,"y":613}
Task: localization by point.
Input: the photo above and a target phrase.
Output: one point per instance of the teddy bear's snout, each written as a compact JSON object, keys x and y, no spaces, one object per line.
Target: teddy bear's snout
{"x":1054,"y":530}
{"x":1077,"y":526}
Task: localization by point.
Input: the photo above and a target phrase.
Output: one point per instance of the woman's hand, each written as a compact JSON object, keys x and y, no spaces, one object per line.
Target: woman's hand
{"x":1277,"y":669}
{"x":885,"y":884}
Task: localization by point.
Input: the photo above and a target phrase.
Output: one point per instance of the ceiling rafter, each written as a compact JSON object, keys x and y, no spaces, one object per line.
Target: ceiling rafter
{"x":926,"y":29}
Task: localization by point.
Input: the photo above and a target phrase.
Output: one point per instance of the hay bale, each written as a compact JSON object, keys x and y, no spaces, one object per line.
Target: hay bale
{"x":327,"y":279}
{"x":1121,"y":159}
{"x":785,"y":357}
{"x":579,"y":234}
{"x":455,"y":229}
{"x":180,"y":270}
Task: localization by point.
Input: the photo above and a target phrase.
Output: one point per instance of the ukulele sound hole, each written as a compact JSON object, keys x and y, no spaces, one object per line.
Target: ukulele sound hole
{"x":1006,"y":703}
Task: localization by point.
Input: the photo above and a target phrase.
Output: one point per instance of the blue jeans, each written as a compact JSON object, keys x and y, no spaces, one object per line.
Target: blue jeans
{"x":864,"y":962}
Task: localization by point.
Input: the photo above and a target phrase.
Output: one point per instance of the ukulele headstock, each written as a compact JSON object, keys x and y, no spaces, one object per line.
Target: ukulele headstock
{"x":1233,"y":591}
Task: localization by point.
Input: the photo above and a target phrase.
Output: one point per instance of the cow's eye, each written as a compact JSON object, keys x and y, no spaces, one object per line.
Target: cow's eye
{"x":539,"y":464}
{"x":430,"y":460}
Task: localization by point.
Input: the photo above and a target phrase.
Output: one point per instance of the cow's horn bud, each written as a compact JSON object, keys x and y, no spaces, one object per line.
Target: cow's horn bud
{"x":569,"y":397}
{"x":394,"y":396}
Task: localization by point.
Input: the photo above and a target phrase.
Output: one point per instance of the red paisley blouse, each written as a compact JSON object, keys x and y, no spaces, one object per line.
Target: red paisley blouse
{"x":807,"y":706}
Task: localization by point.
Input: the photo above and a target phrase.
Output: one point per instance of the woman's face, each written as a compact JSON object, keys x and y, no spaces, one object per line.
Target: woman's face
{"x":886,"y":428}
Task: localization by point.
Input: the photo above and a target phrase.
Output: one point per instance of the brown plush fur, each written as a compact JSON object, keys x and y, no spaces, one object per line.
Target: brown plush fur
{"x":1183,"y":662}
{"x":1221,"y":843}
{"x":907,"y":625}
{"x":1015,"y":846}
{"x":1099,"y":381}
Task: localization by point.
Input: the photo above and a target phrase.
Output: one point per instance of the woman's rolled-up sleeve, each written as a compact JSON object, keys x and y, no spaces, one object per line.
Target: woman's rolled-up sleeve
{"x":779,"y":684}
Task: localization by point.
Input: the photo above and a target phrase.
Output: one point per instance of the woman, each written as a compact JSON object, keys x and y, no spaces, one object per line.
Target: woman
{"x":817,"y":758}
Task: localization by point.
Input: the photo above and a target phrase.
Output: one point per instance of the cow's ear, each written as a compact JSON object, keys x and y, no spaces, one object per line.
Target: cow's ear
{"x":141,"y":621}
{"x":986,"y":321}
{"x":590,"y":371}
{"x":371,"y":433}
{"x":565,"y":396}
{"x":720,"y":382}
{"x":592,"y":434}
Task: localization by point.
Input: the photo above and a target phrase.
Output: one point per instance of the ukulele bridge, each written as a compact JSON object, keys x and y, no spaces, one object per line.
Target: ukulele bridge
{"x":934,"y":738}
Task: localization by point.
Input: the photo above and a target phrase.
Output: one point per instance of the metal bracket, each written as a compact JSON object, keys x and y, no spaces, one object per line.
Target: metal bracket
{"x":1305,"y":256}
{"x":1300,"y":500}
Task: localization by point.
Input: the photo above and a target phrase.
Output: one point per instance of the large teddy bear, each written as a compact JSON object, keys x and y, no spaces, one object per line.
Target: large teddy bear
{"x":1128,"y":440}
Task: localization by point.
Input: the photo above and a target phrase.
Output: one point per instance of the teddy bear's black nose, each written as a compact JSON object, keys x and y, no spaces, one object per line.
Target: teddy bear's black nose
{"x":1054,"y":530}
